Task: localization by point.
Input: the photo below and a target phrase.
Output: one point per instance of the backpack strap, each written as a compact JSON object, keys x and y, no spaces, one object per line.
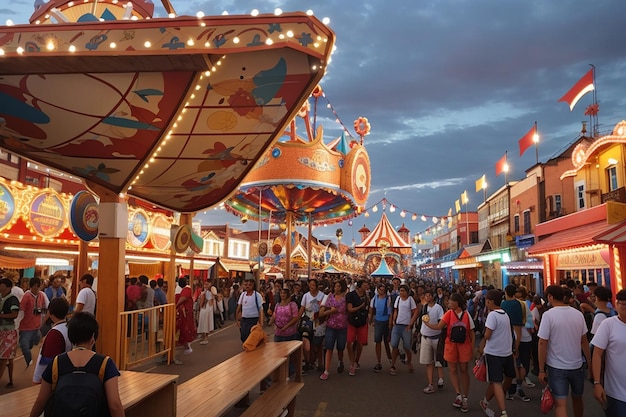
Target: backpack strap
{"x":103,"y":367}
{"x":55,"y":372}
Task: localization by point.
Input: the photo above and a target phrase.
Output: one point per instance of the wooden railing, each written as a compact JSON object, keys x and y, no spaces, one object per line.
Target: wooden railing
{"x":146,"y":334}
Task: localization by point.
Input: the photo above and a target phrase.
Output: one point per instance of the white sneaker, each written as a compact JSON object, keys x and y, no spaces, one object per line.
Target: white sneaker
{"x":528,"y":383}
{"x":188,"y":351}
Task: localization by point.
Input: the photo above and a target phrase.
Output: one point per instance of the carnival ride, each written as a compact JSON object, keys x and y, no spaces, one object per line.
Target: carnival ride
{"x":304,"y":180}
{"x":175,"y":111}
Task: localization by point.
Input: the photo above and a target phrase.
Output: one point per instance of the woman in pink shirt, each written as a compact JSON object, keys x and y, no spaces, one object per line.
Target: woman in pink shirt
{"x":285,"y":318}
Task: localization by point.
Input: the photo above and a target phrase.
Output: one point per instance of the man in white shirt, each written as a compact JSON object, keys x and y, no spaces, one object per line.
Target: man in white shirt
{"x":430,"y":340}
{"x":403,"y":318}
{"x":497,"y":345}
{"x":610,"y":340}
{"x":249,"y":309}
{"x":86,"y":299}
{"x":562,"y":336}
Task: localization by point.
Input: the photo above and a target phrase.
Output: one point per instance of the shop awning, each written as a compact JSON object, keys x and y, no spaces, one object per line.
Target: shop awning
{"x":616,"y":235}
{"x":571,"y":238}
{"x":10,"y":262}
{"x":466,"y":266}
{"x":234,"y":266}
{"x":523,"y":267}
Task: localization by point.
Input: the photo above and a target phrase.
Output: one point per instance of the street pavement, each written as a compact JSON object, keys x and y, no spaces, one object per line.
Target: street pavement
{"x":366,"y":394}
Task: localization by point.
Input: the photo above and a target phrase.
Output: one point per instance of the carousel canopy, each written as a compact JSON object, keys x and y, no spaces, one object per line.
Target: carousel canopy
{"x":174,"y":111}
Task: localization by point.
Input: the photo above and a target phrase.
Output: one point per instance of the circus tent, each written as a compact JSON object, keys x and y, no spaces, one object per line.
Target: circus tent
{"x":384,"y":235}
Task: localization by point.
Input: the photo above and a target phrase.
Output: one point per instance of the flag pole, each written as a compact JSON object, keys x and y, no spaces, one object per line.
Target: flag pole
{"x":594,"y":117}
{"x":506,"y":167}
{"x":466,"y":225}
{"x":536,"y":140}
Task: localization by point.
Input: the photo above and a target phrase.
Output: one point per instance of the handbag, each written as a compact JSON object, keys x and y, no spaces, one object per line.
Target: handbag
{"x":305,"y":326}
{"x":480,"y":369}
{"x":547,"y":400}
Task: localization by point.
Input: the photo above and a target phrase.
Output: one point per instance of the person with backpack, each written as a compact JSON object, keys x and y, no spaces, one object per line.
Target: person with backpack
{"x":459,"y":347}
{"x":56,"y":341}
{"x":249,"y":309}
{"x":80,"y":382}
{"x":380,"y":312}
{"x":497,"y":346}
{"x":603,"y":297}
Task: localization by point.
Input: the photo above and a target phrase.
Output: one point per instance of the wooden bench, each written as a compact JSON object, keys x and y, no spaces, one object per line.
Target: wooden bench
{"x":141,"y":394}
{"x":215,"y":391}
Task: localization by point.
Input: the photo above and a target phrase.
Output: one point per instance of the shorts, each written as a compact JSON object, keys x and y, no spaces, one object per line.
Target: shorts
{"x":381,"y":331}
{"x":398,"y":333}
{"x":499,"y":367}
{"x":428,"y":350}
{"x":335,"y":337}
{"x":317,"y":340}
{"x":8,"y":344}
{"x":458,"y":352}
{"x":523,"y":357}
{"x":294,"y":336}
{"x":560,"y":381}
{"x":357,"y":334}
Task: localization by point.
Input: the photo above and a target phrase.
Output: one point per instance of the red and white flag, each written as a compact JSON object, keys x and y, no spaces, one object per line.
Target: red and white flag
{"x":582,"y":87}
{"x":527,"y":140}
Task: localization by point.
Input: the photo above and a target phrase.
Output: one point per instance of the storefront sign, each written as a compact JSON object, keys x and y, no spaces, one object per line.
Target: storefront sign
{"x":7,"y":206}
{"x":160,"y":236}
{"x":138,"y":229}
{"x":584,"y":259}
{"x":47,"y":214}
{"x":84,"y":216}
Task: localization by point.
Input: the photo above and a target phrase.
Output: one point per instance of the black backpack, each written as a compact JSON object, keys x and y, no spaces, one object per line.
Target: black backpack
{"x":458,"y":331}
{"x":78,"y":391}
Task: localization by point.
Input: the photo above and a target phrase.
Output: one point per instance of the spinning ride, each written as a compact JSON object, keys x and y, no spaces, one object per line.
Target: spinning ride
{"x":303,"y":180}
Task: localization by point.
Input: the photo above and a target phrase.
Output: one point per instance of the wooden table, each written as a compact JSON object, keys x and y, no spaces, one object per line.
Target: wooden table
{"x":141,"y":394}
{"x":215,"y":391}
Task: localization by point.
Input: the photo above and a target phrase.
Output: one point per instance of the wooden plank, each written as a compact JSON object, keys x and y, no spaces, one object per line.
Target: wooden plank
{"x":134,"y":388}
{"x":273,"y":401}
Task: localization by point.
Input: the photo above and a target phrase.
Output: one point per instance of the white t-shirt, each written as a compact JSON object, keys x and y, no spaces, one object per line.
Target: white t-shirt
{"x":563,"y":327}
{"x":501,"y":341}
{"x":312,"y":304}
{"x":87,"y":297}
{"x":435,"y":313}
{"x":404,"y":308}
{"x":249,"y":307}
{"x":599,"y":317}
{"x":611,"y":337}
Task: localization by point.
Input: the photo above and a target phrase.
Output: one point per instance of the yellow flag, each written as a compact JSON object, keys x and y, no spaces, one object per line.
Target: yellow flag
{"x":457,"y":205}
{"x":480,"y":183}
{"x":464,"y":199}
{"x":450,"y":212}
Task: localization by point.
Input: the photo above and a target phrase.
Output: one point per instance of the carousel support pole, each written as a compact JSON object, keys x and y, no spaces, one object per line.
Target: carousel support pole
{"x":289,"y":219}
{"x":82,"y":267}
{"x":113,"y":227}
{"x":309,"y":245}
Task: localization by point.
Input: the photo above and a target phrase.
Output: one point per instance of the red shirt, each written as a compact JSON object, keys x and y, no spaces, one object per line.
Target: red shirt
{"x":32,"y":321}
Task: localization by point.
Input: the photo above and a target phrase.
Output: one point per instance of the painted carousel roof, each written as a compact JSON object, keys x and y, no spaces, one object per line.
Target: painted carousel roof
{"x":383,"y":235}
{"x":306,"y":179}
{"x":174,"y":111}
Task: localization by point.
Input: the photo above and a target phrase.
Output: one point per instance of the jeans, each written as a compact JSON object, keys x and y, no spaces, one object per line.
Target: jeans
{"x":560,"y":381}
{"x":246,"y":326}
{"x":28,"y":339}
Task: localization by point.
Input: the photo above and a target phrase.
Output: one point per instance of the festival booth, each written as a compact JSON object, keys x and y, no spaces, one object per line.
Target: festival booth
{"x":583,"y":246}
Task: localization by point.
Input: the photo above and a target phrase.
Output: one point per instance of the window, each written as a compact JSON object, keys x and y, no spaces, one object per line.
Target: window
{"x":579,"y":189}
{"x":612,"y":177}
{"x":557,"y":204}
{"x":516,"y":224}
{"x":527,"y":222}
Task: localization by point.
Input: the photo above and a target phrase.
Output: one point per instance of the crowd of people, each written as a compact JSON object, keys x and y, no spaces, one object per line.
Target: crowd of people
{"x":573,"y":333}
{"x":447,"y":325}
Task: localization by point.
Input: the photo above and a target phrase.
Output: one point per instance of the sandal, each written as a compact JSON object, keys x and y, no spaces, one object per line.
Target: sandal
{"x":393,"y":371}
